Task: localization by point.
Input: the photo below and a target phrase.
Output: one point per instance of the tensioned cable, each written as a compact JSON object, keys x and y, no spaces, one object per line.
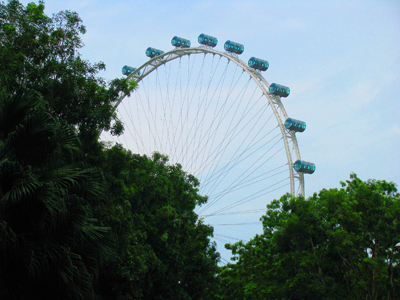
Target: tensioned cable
{"x":204,"y":141}
{"x":238,"y":178}
{"x":184,"y":121}
{"x":222,"y":118}
{"x":138,"y":119}
{"x":123,"y":136}
{"x":200,"y":101}
{"x":200,"y":125}
{"x":154,"y":116}
{"x":221,"y":240}
{"x":131,"y":121}
{"x":130,"y":116}
{"x":235,"y":159}
{"x":209,"y":135}
{"x":162,"y":101}
{"x":229,"y":237}
{"x":249,"y":223}
{"x":260,"y":112}
{"x":231,"y":133}
{"x":150,"y":112}
{"x":197,"y":149}
{"x":177,"y":82}
{"x":134,"y":136}
{"x":215,"y":200}
{"x":251,"y":197}
{"x":182,"y":116}
{"x":189,"y":133}
{"x":251,"y":180}
{"x":240,"y":212}
{"x":144,"y":112}
{"x":106,"y":137}
{"x":177,"y":142}
{"x":240,"y":159}
{"x":184,"y":154}
{"x":167,"y":108}
{"x":213,"y":134}
{"x":236,"y":135}
{"x":243,"y":174}
{"x":242,"y":185}
{"x":231,"y":164}
{"x":165,"y":141}
{"x":164,"y":107}
{"x":225,"y":261}
{"x":212,"y":200}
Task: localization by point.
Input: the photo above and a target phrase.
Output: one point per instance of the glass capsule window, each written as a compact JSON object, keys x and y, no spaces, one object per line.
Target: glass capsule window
{"x":152,"y":52}
{"x":127,"y":70}
{"x":258,"y":64}
{"x":207,"y":40}
{"x":295,"y":125}
{"x":279,"y":90}
{"x":234,"y":47}
{"x":180,"y":42}
{"x":304,"y":167}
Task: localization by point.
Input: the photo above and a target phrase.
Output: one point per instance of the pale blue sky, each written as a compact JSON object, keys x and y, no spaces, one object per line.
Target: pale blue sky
{"x":341,"y":60}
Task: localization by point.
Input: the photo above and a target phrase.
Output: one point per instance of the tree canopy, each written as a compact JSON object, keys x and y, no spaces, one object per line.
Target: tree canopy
{"x":165,"y":250}
{"x":41,"y":54}
{"x":62,"y":193}
{"x":337,"y":244}
{"x":50,"y":245}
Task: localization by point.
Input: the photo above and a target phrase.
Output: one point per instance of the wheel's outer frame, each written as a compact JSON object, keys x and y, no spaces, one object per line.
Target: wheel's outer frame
{"x":274,"y":101}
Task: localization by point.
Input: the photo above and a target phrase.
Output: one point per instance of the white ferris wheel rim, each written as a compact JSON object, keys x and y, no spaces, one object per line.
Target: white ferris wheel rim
{"x":274,"y":100}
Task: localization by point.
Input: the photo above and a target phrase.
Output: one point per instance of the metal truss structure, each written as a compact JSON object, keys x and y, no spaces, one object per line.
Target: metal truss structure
{"x":289,"y":137}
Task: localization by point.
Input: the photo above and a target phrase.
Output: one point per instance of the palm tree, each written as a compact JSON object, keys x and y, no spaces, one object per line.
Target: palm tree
{"x":50,"y":246}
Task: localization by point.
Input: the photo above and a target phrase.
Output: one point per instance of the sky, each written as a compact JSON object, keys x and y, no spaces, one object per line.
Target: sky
{"x":340,"y":59}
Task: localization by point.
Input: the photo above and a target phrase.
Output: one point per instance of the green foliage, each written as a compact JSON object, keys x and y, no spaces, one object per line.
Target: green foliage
{"x":50,"y":246}
{"x":338,"y":244}
{"x":164,"y":251}
{"x":41,"y":53}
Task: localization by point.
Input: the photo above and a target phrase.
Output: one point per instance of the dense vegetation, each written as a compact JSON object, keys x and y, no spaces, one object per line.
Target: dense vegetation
{"x":338,"y":244}
{"x":79,"y":220}
{"x":50,"y":244}
{"x":164,"y":250}
{"x":83,"y":220}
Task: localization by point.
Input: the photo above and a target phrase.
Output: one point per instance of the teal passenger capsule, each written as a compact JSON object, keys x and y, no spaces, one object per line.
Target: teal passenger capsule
{"x":234,"y":47}
{"x":279,"y":90}
{"x":127,"y":70}
{"x":295,"y":125}
{"x":152,"y":52}
{"x":258,"y":64}
{"x":302,"y":166}
{"x":207,"y":40}
{"x":180,"y":42}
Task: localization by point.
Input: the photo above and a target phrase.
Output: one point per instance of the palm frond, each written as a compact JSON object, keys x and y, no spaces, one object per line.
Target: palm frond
{"x":48,"y":237}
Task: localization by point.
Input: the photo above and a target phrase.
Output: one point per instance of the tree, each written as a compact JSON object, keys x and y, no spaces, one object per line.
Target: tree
{"x":338,"y":244}
{"x":41,"y":53}
{"x":164,"y":250}
{"x":50,"y":246}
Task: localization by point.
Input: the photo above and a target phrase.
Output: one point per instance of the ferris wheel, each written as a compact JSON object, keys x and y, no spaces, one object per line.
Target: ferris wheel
{"x":220,"y":119}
